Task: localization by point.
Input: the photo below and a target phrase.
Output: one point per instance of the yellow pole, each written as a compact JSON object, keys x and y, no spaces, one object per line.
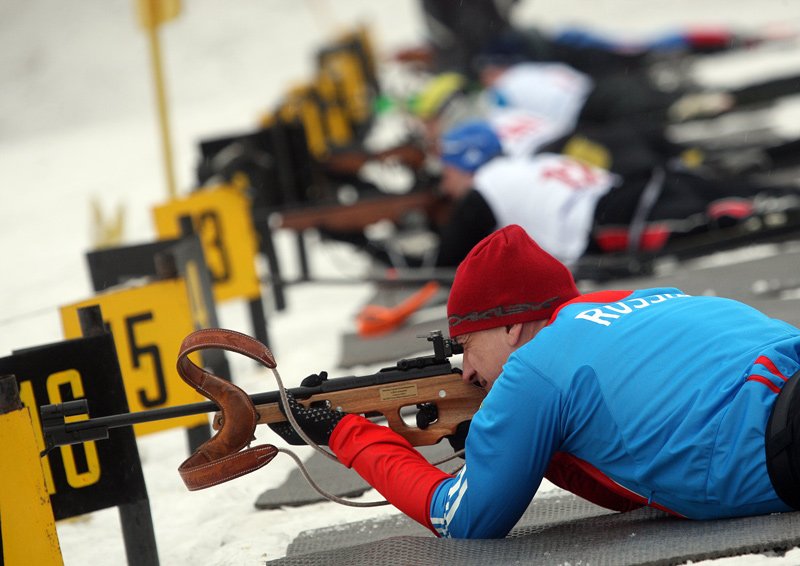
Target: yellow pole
{"x":163,"y":116}
{"x":28,"y":528}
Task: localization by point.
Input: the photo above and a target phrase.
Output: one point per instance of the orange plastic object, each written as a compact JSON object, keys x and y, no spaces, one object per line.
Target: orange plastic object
{"x":377,"y":320}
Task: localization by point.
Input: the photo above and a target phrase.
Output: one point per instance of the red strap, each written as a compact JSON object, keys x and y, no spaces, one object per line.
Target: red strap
{"x":615,"y":239}
{"x":389,"y":463}
{"x":710,"y":37}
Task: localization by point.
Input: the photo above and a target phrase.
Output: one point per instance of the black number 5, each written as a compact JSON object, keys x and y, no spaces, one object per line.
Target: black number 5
{"x":137,"y":351}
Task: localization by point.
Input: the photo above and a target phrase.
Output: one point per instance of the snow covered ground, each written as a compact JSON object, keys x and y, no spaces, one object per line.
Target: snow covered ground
{"x":77,"y":123}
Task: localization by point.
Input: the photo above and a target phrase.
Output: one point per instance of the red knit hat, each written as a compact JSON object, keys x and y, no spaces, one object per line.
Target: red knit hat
{"x":506,"y":278}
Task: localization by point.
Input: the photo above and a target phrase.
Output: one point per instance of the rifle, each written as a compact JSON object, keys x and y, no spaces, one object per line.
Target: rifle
{"x":362,"y":213}
{"x":349,"y":161}
{"x":427,"y":383}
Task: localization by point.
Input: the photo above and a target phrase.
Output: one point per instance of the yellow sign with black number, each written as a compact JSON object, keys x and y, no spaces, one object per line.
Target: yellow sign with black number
{"x":149,"y":323}
{"x":221,"y":217}
{"x":71,"y":382}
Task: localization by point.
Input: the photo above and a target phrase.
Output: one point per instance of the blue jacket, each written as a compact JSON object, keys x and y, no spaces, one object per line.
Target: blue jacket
{"x":652,"y":396}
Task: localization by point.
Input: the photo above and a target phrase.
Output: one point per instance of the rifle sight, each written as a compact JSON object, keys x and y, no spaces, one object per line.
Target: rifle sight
{"x":443,"y":348}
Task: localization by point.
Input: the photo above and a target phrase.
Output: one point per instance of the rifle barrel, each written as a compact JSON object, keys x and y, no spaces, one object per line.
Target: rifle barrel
{"x":150,"y":415}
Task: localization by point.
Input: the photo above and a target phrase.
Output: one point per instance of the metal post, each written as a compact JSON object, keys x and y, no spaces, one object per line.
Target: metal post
{"x":161,"y":100}
{"x":135,"y":518}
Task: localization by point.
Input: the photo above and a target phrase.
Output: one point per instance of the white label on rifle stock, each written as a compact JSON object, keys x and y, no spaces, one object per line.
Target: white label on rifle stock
{"x":398,"y":392}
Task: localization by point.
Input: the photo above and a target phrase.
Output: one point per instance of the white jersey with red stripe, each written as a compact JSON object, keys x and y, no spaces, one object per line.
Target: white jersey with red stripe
{"x":553,"y":197}
{"x":532,"y":104}
{"x":652,"y":397}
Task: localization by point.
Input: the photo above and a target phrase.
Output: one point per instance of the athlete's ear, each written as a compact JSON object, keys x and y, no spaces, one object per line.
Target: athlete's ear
{"x":514,"y":334}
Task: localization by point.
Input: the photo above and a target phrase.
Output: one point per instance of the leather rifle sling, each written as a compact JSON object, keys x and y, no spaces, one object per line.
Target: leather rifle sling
{"x":221,"y":458}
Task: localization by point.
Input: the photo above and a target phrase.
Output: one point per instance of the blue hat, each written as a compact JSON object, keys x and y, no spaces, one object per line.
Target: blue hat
{"x":469,"y":145}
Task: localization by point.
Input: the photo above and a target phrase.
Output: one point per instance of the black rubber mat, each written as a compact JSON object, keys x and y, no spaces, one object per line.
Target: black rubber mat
{"x":770,"y":284}
{"x":407,"y":340}
{"x":295,"y":491}
{"x":554,"y":530}
{"x":336,"y":479}
{"x":375,"y":530}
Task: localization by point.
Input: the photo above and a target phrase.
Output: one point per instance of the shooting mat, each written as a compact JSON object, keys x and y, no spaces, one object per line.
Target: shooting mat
{"x":408,"y":339}
{"x":336,"y":479}
{"x":769,"y":282}
{"x":554,"y":530}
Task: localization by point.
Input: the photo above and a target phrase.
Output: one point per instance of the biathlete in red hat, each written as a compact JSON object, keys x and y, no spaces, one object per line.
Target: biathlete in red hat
{"x":626,"y":398}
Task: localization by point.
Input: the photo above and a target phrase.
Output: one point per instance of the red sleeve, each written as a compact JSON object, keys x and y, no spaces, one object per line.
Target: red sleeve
{"x":389,"y":463}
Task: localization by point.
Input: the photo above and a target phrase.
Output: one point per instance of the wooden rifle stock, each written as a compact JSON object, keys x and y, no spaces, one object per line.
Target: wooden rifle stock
{"x":362,"y":213}
{"x":445,"y":400}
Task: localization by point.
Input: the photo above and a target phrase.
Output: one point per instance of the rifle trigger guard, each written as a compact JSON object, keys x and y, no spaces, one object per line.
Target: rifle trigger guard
{"x":221,"y":458}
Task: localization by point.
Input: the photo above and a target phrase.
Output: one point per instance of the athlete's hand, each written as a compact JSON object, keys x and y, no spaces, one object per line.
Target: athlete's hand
{"x":458,"y":439}
{"x":317,"y":422}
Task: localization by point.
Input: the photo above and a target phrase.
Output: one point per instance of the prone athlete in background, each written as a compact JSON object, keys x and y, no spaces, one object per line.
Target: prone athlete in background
{"x":552,"y":196}
{"x":538,"y":104}
{"x":572,"y":208}
{"x":627,"y":398}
